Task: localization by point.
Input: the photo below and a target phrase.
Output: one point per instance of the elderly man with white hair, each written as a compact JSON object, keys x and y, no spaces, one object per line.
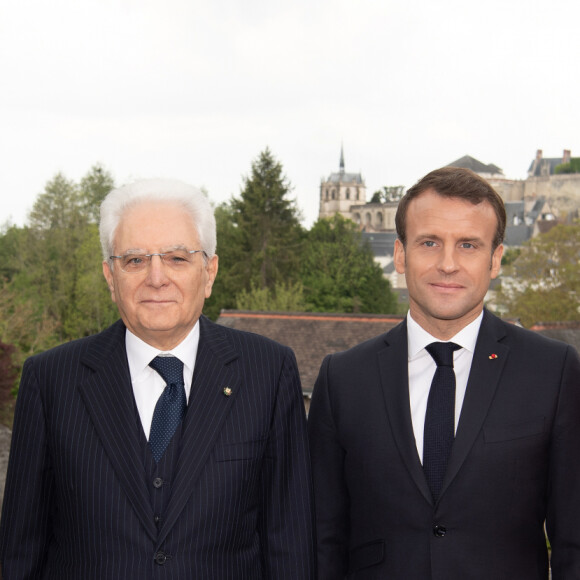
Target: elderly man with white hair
{"x":165,"y":446}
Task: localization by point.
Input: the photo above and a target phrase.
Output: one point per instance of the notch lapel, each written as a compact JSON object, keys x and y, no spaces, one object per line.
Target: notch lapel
{"x":108,"y":397}
{"x":482,"y":384}
{"x":394,"y":371}
{"x":207,"y":410}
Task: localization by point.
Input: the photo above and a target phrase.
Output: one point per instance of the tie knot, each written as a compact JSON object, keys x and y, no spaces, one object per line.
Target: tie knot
{"x":170,"y":368}
{"x":442,"y":352}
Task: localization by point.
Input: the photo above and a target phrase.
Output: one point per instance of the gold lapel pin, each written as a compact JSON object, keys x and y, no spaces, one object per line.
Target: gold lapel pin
{"x":227,"y":391}
{"x":492,"y":356}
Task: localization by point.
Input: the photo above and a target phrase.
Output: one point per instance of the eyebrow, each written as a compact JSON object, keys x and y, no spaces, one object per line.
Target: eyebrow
{"x":434,"y":237}
{"x":163,"y":251}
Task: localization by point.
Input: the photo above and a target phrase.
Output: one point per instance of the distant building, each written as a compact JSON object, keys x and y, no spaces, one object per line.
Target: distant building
{"x":490,"y":171}
{"x":345,"y":193}
{"x":544,"y":166}
{"x":340,"y":191}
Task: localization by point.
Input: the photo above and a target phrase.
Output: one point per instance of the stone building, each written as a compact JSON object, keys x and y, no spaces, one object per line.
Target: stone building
{"x":341,"y":191}
{"x":345,"y":193}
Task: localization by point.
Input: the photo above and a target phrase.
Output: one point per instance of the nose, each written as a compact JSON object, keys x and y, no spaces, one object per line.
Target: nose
{"x":156,"y":274}
{"x":448,"y":260}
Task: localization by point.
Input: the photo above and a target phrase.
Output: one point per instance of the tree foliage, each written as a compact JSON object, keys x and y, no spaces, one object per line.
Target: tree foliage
{"x":388,"y":194}
{"x":51,"y":286}
{"x":268,"y":226}
{"x":573,"y":166}
{"x":542,"y":284}
{"x":283,"y":298}
{"x":339,"y":272}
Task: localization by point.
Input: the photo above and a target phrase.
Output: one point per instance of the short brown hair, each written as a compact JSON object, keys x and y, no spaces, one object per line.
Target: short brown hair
{"x":454,"y":182}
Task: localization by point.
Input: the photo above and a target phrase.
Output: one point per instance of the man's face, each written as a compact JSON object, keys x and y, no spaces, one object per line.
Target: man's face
{"x":158,"y":304}
{"x":447,"y":262}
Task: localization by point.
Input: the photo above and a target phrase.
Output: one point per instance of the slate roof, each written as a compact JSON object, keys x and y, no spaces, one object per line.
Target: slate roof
{"x":343,"y":177}
{"x":311,"y":335}
{"x":468,"y":162}
{"x":536,"y":166}
{"x":381,"y":243}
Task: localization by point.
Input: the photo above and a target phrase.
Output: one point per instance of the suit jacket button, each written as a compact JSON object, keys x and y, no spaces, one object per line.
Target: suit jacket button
{"x":160,"y":558}
{"x":157,"y":482}
{"x":439,"y":531}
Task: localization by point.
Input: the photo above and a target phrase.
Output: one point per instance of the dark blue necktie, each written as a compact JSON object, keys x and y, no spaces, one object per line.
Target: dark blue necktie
{"x":440,"y":416}
{"x":171,"y":405}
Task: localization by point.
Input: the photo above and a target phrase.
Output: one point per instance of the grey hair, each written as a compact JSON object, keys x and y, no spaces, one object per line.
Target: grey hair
{"x":191,"y":198}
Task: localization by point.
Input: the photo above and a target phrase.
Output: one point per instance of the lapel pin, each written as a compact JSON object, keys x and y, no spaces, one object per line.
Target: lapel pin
{"x":492,"y":356}
{"x":227,"y":391}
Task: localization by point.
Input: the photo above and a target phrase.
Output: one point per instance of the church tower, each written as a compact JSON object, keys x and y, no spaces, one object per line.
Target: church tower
{"x":341,"y":191}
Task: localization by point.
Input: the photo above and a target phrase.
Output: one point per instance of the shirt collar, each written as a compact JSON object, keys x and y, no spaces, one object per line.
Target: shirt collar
{"x":140,"y":354}
{"x":418,"y":338}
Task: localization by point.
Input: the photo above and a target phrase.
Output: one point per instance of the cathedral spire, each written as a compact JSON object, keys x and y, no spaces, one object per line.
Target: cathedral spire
{"x":341,"y":166}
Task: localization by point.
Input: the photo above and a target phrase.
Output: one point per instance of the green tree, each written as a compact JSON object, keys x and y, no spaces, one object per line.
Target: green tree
{"x":573,"y":166}
{"x":283,"y":298}
{"x":543,"y":283}
{"x":339,"y":273}
{"x":268,"y":224}
{"x":53,"y":275}
{"x":228,"y":282}
{"x":388,"y":194}
{"x":94,"y":187}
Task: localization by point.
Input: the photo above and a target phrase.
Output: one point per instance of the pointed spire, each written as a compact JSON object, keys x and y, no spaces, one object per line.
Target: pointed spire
{"x":341,"y":166}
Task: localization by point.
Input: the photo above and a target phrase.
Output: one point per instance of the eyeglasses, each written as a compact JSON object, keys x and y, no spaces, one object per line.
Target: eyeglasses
{"x":176,"y":260}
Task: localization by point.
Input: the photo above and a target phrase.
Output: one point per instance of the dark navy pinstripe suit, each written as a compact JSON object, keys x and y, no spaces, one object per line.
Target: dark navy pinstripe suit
{"x":77,"y":503}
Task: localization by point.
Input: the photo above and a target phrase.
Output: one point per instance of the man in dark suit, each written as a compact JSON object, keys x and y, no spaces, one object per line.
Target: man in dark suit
{"x":166,"y":446}
{"x":444,"y":461}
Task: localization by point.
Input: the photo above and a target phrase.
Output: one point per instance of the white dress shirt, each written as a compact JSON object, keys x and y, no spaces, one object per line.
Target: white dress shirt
{"x":422,"y":368}
{"x":147,"y":383}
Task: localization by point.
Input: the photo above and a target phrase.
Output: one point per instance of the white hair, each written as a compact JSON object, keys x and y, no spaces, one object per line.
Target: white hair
{"x":191,"y":198}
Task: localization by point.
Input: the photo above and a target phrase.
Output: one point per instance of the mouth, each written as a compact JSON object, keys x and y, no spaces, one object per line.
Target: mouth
{"x":446,"y":287}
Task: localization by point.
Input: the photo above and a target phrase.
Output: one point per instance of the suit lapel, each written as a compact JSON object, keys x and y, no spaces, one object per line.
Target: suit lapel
{"x":108,"y":397}
{"x":208,"y":407}
{"x":394,"y":370}
{"x":481,"y":387}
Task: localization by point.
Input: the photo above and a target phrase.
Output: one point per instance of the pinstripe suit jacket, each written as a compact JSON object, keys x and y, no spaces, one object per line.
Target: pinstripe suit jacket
{"x":77,"y":504}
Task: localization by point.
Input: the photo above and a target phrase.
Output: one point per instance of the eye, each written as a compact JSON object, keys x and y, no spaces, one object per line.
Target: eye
{"x":429,"y":244}
{"x":466,"y":245}
{"x":133,"y":261}
{"x":176,"y":258}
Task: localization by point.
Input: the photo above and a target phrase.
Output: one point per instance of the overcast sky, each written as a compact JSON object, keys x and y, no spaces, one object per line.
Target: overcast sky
{"x":196,"y":90}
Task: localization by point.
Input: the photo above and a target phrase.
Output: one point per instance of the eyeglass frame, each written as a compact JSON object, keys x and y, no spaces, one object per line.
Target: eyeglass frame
{"x":160,"y":254}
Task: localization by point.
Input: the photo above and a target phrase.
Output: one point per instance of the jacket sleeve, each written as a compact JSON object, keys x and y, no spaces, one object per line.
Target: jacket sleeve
{"x":331,"y":495}
{"x":286,"y":521}
{"x":563,"y":512}
{"x":28,"y":495}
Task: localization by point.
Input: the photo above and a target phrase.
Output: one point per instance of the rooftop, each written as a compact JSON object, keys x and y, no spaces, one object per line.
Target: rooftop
{"x":311,"y":335}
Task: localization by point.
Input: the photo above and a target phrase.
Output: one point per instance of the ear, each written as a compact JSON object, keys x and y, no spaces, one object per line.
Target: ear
{"x":211,"y":270}
{"x":108,"y":274}
{"x":399,"y":257}
{"x":496,"y":261}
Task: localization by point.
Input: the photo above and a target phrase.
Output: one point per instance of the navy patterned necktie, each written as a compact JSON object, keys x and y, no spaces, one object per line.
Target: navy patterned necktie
{"x":440,"y":416}
{"x":171,"y":405}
